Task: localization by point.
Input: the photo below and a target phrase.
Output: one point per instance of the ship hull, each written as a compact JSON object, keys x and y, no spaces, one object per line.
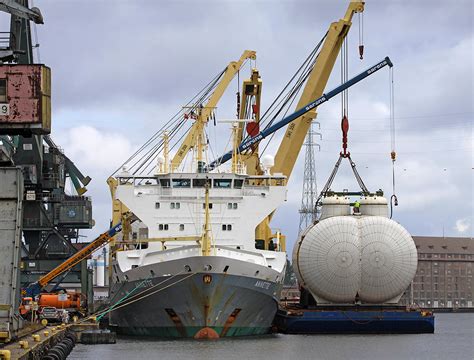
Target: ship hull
{"x":196,"y":305}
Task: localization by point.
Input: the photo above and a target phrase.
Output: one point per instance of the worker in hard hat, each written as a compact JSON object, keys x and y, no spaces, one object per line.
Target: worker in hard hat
{"x":357,"y":207}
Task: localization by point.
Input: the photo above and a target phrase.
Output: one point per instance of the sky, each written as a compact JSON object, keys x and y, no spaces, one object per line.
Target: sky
{"x":121,"y":69}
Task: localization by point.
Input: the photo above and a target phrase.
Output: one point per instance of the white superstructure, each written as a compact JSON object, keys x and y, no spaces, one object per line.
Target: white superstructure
{"x":173,"y":206}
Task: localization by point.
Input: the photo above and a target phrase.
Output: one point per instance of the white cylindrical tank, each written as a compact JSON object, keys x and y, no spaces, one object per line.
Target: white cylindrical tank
{"x":100,"y":270}
{"x":94,"y":271}
{"x":335,"y":206}
{"x":343,"y":259}
{"x":374,"y":206}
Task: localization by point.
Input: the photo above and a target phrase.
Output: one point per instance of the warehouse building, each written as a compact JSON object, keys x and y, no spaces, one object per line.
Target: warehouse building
{"x":444,"y":279}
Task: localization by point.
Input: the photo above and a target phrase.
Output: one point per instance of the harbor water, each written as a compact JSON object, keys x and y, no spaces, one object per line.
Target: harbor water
{"x":453,"y":339}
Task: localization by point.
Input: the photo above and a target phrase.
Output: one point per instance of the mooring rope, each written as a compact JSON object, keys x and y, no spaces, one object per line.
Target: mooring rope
{"x":101,"y":314}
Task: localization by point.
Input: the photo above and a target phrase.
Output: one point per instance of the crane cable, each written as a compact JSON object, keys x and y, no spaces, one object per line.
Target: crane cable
{"x":361,"y":35}
{"x":344,"y":78}
{"x":147,"y":162}
{"x":393,"y":154}
{"x":286,"y":100}
{"x":150,"y":146}
{"x":344,"y":154}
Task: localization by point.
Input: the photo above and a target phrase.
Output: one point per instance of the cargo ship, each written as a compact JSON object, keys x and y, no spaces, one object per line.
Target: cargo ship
{"x":210,"y":265}
{"x":229,"y":289}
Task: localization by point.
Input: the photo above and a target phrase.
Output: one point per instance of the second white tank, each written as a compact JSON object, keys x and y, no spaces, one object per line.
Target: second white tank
{"x":343,"y":259}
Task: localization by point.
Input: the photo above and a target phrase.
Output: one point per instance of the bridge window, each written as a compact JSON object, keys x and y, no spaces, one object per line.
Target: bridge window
{"x":200,"y":183}
{"x":162,"y":227}
{"x":165,"y":183}
{"x":204,"y":205}
{"x":157,"y":205}
{"x":238,"y":183}
{"x":181,"y":183}
{"x":223,"y":183}
{"x":226,"y":227}
{"x":181,"y":227}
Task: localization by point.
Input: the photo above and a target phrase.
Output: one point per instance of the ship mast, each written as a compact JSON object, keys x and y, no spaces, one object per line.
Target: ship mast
{"x":166,"y":141}
{"x":206,"y":235}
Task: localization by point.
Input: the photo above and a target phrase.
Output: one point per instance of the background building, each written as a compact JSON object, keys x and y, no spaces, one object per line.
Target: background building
{"x":444,"y":278}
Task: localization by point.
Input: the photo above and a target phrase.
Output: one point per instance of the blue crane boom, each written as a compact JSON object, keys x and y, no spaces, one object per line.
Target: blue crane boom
{"x":285,"y":121}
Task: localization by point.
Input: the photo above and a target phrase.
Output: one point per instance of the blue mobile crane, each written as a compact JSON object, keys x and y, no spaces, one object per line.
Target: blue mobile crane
{"x":247,"y":143}
{"x":37,"y":287}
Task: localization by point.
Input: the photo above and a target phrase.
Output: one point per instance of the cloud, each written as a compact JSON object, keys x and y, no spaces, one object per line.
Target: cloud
{"x":119,"y":78}
{"x":97,"y":154}
{"x":99,"y":151}
{"x":462,"y":225}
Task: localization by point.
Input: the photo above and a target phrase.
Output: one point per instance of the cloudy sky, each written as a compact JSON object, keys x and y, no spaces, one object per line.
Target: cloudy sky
{"x":122,"y":68}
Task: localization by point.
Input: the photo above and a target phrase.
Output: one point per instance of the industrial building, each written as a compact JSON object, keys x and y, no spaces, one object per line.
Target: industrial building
{"x":444,"y":278}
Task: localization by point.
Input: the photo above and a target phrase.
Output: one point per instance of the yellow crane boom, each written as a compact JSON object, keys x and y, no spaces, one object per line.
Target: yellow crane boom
{"x":287,"y":153}
{"x":195,"y":136}
{"x":251,"y":90}
{"x":290,"y":146}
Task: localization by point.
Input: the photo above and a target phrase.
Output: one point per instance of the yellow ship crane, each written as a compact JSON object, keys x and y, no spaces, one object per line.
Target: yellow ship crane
{"x":298,"y":127}
{"x":270,"y":130}
{"x":290,"y":146}
{"x":250,"y":109}
{"x":195,"y":136}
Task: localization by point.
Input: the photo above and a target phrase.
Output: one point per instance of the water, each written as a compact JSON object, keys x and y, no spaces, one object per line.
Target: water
{"x":453,"y":339}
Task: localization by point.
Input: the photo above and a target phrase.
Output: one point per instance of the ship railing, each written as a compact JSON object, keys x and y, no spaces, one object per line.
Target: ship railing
{"x":152,"y":256}
{"x":265,"y":181}
{"x":257,"y":257}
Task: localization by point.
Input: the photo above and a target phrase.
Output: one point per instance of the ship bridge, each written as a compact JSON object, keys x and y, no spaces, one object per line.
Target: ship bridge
{"x":173,"y":205}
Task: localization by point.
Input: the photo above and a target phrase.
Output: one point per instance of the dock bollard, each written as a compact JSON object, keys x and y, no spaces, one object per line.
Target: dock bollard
{"x":23,"y":344}
{"x":46,"y":333}
{"x":36,"y":338}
